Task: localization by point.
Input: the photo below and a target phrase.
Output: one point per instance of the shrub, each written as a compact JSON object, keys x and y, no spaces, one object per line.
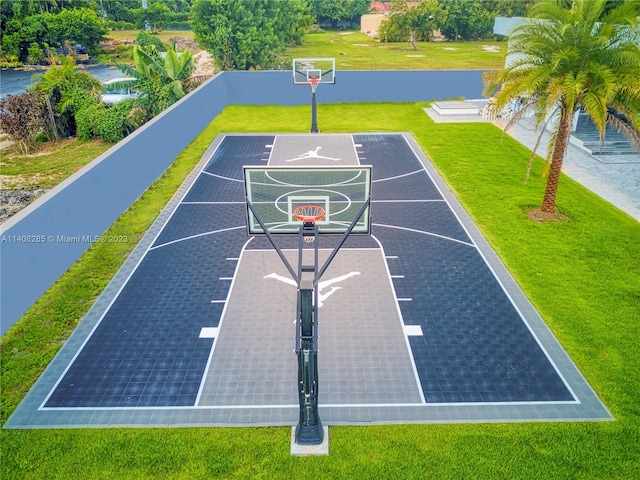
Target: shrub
{"x":111,"y":124}
{"x":144,"y":39}
{"x":23,"y":117}
{"x":36,"y":54}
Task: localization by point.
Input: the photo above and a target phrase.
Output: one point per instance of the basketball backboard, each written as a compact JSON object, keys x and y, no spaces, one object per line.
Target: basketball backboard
{"x":306,"y":69}
{"x":274,"y":192}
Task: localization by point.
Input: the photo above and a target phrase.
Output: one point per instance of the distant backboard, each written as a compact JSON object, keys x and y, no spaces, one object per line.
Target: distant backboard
{"x":274,"y":192}
{"x":305,"y":69}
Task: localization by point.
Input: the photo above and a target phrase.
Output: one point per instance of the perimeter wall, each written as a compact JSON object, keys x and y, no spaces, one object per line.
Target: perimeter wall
{"x":42,"y":241}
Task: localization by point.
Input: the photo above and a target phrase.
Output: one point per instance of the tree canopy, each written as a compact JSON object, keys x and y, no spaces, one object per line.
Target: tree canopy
{"x":243,"y":34}
{"x":339,"y":13}
{"x":568,"y":57}
{"x":76,"y":26}
{"x":412,"y":23}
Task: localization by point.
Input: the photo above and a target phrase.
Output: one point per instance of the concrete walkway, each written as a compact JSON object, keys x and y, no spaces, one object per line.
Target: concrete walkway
{"x":615,"y":178}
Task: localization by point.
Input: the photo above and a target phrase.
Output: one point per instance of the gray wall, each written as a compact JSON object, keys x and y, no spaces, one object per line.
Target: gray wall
{"x":45,"y":239}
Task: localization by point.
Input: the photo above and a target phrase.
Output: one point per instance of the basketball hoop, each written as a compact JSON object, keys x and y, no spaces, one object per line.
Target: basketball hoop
{"x":309,"y":213}
{"x":314,"y":84}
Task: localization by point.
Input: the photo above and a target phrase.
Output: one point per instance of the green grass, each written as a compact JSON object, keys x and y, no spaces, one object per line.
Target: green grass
{"x":583,"y":275}
{"x":164,"y":36}
{"x":50,"y":164}
{"x":356,"y":51}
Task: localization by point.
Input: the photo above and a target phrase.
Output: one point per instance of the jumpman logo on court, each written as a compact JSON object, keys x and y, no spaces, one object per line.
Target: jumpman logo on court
{"x":321,"y":285}
{"x":312,"y":154}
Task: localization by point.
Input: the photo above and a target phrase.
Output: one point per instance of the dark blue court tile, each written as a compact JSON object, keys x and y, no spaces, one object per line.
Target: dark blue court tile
{"x":440,"y":361}
{"x":168,"y":400}
{"x":190,"y":387}
{"x":466,"y":385}
{"x":430,"y":385}
{"x":122,"y":376}
{"x":153,"y":389}
{"x":109,"y":401}
{"x":176,"y":376}
{"x":147,"y":401}
{"x":193,"y":376}
{"x":129,"y":401}
{"x":452,"y":396}
{"x":434,"y":397}
{"x":133,"y":389}
{"x":185,"y":399}
{"x":163,"y":364}
{"x":448,"y":385}
{"x":171,"y":389}
{"x":90,"y":401}
{"x":236,"y":151}
{"x":208,"y":188}
{"x":471,"y":396}
{"x":146,"y":364}
{"x":168,"y":352}
{"x":159,"y":376}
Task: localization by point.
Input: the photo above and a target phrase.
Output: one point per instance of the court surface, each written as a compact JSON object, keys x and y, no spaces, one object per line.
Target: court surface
{"x":419,"y":322}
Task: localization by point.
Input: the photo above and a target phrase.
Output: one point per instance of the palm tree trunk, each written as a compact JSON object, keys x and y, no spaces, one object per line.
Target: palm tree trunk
{"x":559,"y":150}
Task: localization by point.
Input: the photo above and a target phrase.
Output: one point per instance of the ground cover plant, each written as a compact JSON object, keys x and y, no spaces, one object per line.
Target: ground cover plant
{"x":582,"y":274}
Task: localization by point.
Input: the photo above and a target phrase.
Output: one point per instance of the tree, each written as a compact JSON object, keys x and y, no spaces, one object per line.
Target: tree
{"x":160,"y":77}
{"x":412,"y":23}
{"x":242,"y":34}
{"x":340,"y":13}
{"x":466,"y":20}
{"x":77,"y":26}
{"x":567,"y":59}
{"x":155,"y":15}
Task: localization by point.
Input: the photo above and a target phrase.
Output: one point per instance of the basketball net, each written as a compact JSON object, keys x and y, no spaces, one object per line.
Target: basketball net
{"x":314,"y":84}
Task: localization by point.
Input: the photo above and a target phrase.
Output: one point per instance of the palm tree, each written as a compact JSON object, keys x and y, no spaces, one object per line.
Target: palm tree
{"x":567,"y":59}
{"x":160,"y":76}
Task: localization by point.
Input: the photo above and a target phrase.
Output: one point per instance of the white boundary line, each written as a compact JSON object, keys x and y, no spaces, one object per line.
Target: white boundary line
{"x":220,"y":322}
{"x":425,"y":233}
{"x":406,"y":339}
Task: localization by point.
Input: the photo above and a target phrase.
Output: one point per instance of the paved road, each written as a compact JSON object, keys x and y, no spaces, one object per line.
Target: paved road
{"x":15,"y":82}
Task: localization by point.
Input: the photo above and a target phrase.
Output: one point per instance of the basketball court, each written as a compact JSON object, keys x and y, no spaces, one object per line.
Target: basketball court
{"x":418,"y":321}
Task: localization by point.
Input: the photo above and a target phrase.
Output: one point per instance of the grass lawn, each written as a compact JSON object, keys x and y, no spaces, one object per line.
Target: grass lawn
{"x":357,"y":51}
{"x":165,"y":35}
{"x":48,"y":165}
{"x":582,"y":274}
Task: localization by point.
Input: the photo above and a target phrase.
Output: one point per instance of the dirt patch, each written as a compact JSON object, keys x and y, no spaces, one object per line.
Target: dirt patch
{"x":12,"y":201}
{"x":491,"y":48}
{"x":204,"y":63}
{"x":539,"y":216}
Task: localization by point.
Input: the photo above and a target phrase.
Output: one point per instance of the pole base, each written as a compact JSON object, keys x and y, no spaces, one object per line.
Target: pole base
{"x":310,"y":450}
{"x":309,"y":434}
